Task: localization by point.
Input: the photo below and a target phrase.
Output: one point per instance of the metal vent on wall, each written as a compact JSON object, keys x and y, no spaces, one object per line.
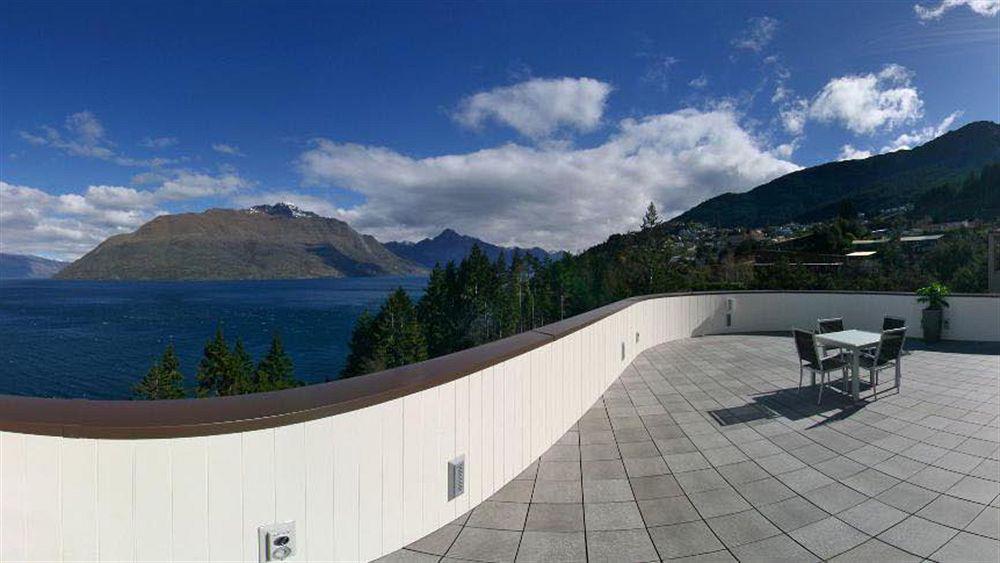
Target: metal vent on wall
{"x":456,"y":477}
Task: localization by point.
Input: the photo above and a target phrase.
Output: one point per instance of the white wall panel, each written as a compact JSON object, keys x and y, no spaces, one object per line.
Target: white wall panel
{"x":189,"y":499}
{"x":153,"y":517}
{"x":258,"y":487}
{"x":370,"y":482}
{"x":392,"y":475}
{"x":318,"y":525}
{"x":13,"y":509}
{"x":225,"y":499}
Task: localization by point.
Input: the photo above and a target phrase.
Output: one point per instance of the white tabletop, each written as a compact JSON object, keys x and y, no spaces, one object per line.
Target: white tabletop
{"x":849,"y":338}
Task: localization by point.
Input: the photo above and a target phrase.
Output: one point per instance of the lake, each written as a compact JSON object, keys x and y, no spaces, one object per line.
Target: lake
{"x":96,"y":339}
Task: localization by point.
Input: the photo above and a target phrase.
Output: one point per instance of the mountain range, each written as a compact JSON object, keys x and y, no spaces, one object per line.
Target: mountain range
{"x":879,"y":182}
{"x":277,"y":241}
{"x":25,"y":267}
{"x":450,"y":246}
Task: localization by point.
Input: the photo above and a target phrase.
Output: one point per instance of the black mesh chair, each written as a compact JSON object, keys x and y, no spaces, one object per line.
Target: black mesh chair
{"x":831,"y":325}
{"x":892,"y":323}
{"x":887,"y":355}
{"x":809,"y":358}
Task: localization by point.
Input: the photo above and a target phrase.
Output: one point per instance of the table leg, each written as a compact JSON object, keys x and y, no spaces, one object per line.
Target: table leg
{"x":855,"y":376}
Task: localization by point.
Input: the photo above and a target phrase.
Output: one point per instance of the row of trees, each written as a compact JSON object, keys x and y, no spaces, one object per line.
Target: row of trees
{"x":221,"y":371}
{"x":477,"y":301}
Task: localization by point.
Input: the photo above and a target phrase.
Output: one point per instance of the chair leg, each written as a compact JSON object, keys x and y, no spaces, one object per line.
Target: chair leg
{"x":822,"y":374}
{"x":800,"y":377}
{"x":873,"y":378}
{"x":899,"y":375}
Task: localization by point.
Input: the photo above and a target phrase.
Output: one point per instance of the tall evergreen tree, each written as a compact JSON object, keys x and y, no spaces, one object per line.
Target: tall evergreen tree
{"x":394,"y":337}
{"x":361,"y":347}
{"x":651,"y":218}
{"x":275,"y":371}
{"x":215,"y":369}
{"x":241,"y":371}
{"x":163,"y":380}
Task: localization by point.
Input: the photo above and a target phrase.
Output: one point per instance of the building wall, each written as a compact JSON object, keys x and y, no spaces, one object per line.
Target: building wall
{"x":367,"y":482}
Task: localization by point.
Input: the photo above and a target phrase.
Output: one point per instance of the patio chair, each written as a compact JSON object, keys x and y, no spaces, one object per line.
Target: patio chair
{"x":835,"y":324}
{"x":887,"y":355}
{"x":890,"y":323}
{"x":809,"y":357}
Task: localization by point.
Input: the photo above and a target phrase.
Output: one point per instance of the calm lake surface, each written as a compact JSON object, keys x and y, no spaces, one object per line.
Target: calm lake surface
{"x":96,"y":339}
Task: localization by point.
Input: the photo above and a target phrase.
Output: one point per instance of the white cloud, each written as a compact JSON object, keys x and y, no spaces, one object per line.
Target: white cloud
{"x":863,"y":103}
{"x":699,"y":82}
{"x":190,"y":185}
{"x":921,"y":136}
{"x":158,"y":142}
{"x":68,"y":225}
{"x":84,"y":135}
{"x":757,"y":35}
{"x":555,"y":196}
{"x":848,"y":152}
{"x":539,"y":107}
{"x":231,"y":150}
{"x":988,"y":8}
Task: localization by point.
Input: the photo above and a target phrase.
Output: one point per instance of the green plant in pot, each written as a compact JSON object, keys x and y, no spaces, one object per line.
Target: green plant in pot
{"x":935,"y":295}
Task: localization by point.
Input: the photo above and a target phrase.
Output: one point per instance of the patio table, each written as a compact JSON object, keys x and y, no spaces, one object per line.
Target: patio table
{"x":855,"y":341}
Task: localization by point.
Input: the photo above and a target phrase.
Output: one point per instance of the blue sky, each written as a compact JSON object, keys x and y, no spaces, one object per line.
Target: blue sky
{"x":545,"y":123}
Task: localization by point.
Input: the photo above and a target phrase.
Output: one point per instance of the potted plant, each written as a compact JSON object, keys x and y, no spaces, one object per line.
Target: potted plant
{"x":935,"y":295}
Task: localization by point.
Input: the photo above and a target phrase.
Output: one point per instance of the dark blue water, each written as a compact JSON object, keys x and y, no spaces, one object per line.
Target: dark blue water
{"x":96,"y":339}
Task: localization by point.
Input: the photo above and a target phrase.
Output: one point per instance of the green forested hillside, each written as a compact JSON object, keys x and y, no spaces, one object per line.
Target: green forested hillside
{"x":875,"y":183}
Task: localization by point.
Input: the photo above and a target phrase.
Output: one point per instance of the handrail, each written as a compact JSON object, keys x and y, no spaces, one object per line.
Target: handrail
{"x":111,"y":419}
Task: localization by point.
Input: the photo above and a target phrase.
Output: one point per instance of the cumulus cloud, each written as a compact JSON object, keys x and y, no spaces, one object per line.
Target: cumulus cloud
{"x":555,"y":196}
{"x":848,"y":152}
{"x":988,"y":8}
{"x":539,"y":107}
{"x":231,"y":150}
{"x":68,"y":225}
{"x":757,"y":35}
{"x":907,"y":140}
{"x":158,"y":142}
{"x":921,"y":136}
{"x":862,"y":103}
{"x":84,"y":135}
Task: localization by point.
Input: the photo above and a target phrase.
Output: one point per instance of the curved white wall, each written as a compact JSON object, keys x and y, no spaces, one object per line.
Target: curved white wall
{"x":365,"y":483}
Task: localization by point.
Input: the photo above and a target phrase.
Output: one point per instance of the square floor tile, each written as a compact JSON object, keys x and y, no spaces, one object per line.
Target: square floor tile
{"x":935,"y":479}
{"x":557,"y":491}
{"x":645,"y":466}
{"x":777,"y":549}
{"x":965,"y":548}
{"x":951,"y":511}
{"x":559,"y":471}
{"x":765,"y":491}
{"x":544,"y":547}
{"x":499,"y":516}
{"x":835,"y":497}
{"x":658,"y":486}
{"x":792,"y":513}
{"x":607,"y":490}
{"x":975,"y":489}
{"x":555,"y":518}
{"x":479,"y":544}
{"x":606,"y":469}
{"x":744,"y":527}
{"x":682,"y":540}
{"x":701,"y":480}
{"x":828,"y":537}
{"x":870,"y":482}
{"x":907,"y":497}
{"x":876,"y":551}
{"x":620,"y":545}
{"x":438,"y":541}
{"x":718,"y":502}
{"x":518,"y":490}
{"x":612,"y":516}
{"x":743,"y":472}
{"x":666,"y":511}
{"x":872,"y":517}
{"x":987,"y":523}
{"x":918,"y":536}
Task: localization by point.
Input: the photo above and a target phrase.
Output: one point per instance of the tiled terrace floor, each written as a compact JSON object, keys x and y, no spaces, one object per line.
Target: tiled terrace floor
{"x":703,"y":451}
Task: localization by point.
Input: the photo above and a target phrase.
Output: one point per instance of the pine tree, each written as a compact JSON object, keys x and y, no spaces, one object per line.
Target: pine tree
{"x":651,"y":219}
{"x":400,"y":339}
{"x":164,"y":379}
{"x":214,"y":370}
{"x":275,"y":371}
{"x":241,"y":368}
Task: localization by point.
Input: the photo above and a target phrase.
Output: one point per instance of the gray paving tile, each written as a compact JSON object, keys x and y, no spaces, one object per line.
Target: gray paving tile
{"x":658,"y":486}
{"x":562,"y":453}
{"x":907,"y":497}
{"x":718,"y":502}
{"x":544,"y":547}
{"x":839,"y":467}
{"x":975,"y":489}
{"x":612,"y":516}
{"x":606,"y":469}
{"x":645,"y":466}
{"x":918,"y":536}
{"x":682,"y":540}
{"x":701,"y":480}
{"x":872,"y":517}
{"x":668,"y":510}
{"x":438,"y":541}
{"x":592,"y":452}
{"x":478,"y":544}
{"x":828,"y":537}
{"x":679,"y":463}
{"x":900,"y":467}
{"x":804,"y":479}
{"x":875,"y":550}
{"x":834,"y":497}
{"x":607,"y":490}
{"x":620,"y":545}
{"x":408,"y":556}
{"x":765,"y":491}
{"x":727,"y":455}
{"x":966,"y":548}
{"x":555,"y":518}
{"x":639,"y":450}
{"x":987,"y":523}
{"x":557,"y":491}
{"x":559,"y":471}
{"x":743,"y":472}
{"x":721,"y":556}
{"x":743,"y":527}
{"x":870,"y":482}
{"x":951,"y":511}
{"x":499,"y":516}
{"x":518,"y":490}
{"x":776,"y":549}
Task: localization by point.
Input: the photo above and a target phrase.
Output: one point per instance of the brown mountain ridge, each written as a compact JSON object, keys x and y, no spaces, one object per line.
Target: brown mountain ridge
{"x":263,"y":242}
